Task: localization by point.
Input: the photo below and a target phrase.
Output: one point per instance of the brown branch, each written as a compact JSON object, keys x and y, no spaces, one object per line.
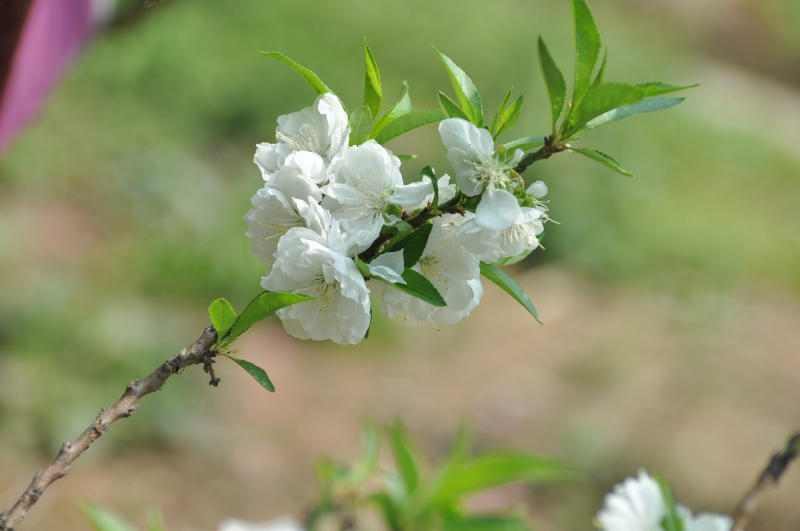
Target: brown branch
{"x":199,"y":353}
{"x":766,"y":482}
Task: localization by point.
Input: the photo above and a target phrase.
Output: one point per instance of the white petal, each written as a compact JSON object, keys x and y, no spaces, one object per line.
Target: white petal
{"x":498,"y":210}
{"x":413,"y":196}
{"x":537,"y":189}
{"x":476,"y":143}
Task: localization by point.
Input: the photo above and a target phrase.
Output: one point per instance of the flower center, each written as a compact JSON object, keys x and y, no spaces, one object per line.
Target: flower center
{"x":305,"y":139}
{"x":490,"y":172}
{"x":324,"y":291}
{"x":376,"y":201}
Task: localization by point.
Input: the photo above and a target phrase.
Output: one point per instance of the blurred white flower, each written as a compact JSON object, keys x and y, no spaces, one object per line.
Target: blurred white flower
{"x":637,"y":504}
{"x":452,"y":270}
{"x":286,"y":523}
{"x":317,"y":265}
{"x":479,"y":171}
{"x":704,"y":521}
{"x":322,"y":129}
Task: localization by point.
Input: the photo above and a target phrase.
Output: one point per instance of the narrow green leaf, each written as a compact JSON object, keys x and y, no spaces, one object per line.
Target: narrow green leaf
{"x":450,"y":108}
{"x":406,"y":457}
{"x":420,"y":287}
{"x":514,"y":259}
{"x":509,"y":286}
{"x":402,"y":106}
{"x":222,"y":316}
{"x":465,"y":89}
{"x":371,"y":445}
{"x":360,"y":125}
{"x":373,"y":93}
{"x":391,"y":513}
{"x":621,"y":113}
{"x":429,"y":172}
{"x":408,"y":122}
{"x":102,"y":519}
{"x":256,"y":372}
{"x":493,"y":469}
{"x":405,"y":157}
{"x":524,"y":144}
{"x":672,"y":521}
{"x":308,"y":75}
{"x":503,"y":104}
{"x":485,"y":523}
{"x":401,"y":230}
{"x":510,"y":116}
{"x":657,"y":88}
{"x":587,"y":49}
{"x":260,"y":308}
{"x":602,"y":158}
{"x":604,"y":98}
{"x":363,"y":267}
{"x":601,"y":74}
{"x":553,"y":80}
{"x":415,"y":245}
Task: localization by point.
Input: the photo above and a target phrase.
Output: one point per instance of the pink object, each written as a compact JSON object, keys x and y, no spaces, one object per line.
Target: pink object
{"x":53,"y":33}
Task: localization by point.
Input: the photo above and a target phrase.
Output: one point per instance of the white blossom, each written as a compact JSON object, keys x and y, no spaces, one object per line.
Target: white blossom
{"x":637,"y":504}
{"x":452,"y":270}
{"x":420,"y":194}
{"x":286,"y":523}
{"x":317,"y":265}
{"x":322,"y":128}
{"x":491,"y":245}
{"x":537,"y":189}
{"x":704,"y":521}
{"x":480,"y":171}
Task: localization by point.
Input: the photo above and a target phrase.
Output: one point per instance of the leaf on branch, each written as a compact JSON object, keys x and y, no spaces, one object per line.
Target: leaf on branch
{"x":402,"y":106}
{"x":524,"y":144}
{"x":451,"y":108}
{"x":420,"y":287}
{"x":406,"y":457}
{"x":553,"y":80}
{"x":259,"y":374}
{"x":587,"y":49}
{"x":222,"y":316}
{"x":429,"y":172}
{"x":604,"y":98}
{"x":514,"y":259}
{"x":621,"y":113}
{"x":373,"y":92}
{"x":503,"y":105}
{"x":602,"y":158}
{"x":308,"y":75}
{"x":102,"y":519}
{"x":672,"y":521}
{"x":510,"y":116}
{"x":260,"y":308}
{"x":401,"y":230}
{"x":601,"y":74}
{"x":404,"y":157}
{"x":371,"y":445}
{"x":657,"y":88}
{"x":509,"y":286}
{"x":360,"y":125}
{"x":408,"y":122}
{"x":466,"y":92}
{"x":414,"y":245}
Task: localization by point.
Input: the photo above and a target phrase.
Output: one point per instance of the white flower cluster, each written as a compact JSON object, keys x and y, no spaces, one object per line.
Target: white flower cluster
{"x":324,"y":202}
{"x":638,"y":504}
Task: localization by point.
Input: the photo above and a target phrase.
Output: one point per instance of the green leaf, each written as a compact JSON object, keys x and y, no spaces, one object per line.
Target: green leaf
{"x":510,"y":116}
{"x":485,"y":523}
{"x":360,"y":125}
{"x":553,"y":80}
{"x":406,"y":157}
{"x":415,"y":244}
{"x":420,"y":287}
{"x":604,"y":98}
{"x":260,"y":308}
{"x":450,"y":108}
{"x":429,"y":172}
{"x":363,"y":267}
{"x":371,"y":445}
{"x":503,"y":104}
{"x":587,"y":49}
{"x":657,"y":88}
{"x":402,"y":106}
{"x":408,"y":122}
{"x":513,"y":259}
{"x":672,"y":522}
{"x":525,"y":143}
{"x":406,"y":458}
{"x":373,"y":93}
{"x":601,"y":74}
{"x":390,"y":512}
{"x":308,"y":75}
{"x":222,"y":316}
{"x":602,"y":158}
{"x":509,"y":286}
{"x":621,"y":113}
{"x":401,"y":230}
{"x":493,"y":469}
{"x":102,"y":519}
{"x":465,"y":89}
{"x":256,"y":372}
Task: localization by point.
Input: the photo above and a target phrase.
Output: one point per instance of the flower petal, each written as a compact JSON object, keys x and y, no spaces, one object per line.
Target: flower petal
{"x":498,"y":210}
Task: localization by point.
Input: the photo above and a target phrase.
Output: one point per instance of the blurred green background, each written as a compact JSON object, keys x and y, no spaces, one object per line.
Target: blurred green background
{"x":670,"y":300}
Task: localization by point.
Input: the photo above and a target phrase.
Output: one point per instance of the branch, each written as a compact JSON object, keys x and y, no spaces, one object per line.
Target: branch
{"x":545,"y":152}
{"x":766,"y":482}
{"x":199,"y":353}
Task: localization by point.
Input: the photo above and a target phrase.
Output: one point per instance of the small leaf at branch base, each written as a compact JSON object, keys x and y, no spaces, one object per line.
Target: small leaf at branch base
{"x":360,"y":125}
{"x":450,"y":108}
{"x":509,"y":286}
{"x":373,"y":93}
{"x":402,"y":106}
{"x":553,"y":80}
{"x":604,"y":159}
{"x":260,"y":308}
{"x":408,"y":122}
{"x":308,"y":75}
{"x":222,"y":316}
{"x":510,"y":116}
{"x":256,"y":372}
{"x":420,"y":287}
{"x":465,"y":89}
{"x":503,"y":104}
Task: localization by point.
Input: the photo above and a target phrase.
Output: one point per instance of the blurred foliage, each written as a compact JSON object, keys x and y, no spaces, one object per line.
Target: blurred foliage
{"x":121,"y":208}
